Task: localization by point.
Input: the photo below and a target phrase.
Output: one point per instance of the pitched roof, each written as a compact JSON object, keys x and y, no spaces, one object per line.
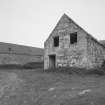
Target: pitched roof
{"x":102,"y":42}
{"x":66,"y":19}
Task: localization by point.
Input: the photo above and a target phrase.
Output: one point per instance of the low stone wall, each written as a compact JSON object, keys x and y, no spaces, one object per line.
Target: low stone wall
{"x":10,"y":58}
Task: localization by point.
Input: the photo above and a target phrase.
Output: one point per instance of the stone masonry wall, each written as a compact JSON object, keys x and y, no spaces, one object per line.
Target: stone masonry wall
{"x":66,"y":54}
{"x":86,"y":53}
{"x":18,"y":59}
{"x":95,"y":52}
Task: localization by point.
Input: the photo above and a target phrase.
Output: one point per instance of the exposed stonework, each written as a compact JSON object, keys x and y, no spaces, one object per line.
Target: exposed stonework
{"x":95,"y":52}
{"x":85,"y":53}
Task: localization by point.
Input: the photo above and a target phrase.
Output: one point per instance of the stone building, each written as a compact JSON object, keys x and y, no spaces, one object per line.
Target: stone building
{"x":18,"y":54}
{"x":69,"y":45}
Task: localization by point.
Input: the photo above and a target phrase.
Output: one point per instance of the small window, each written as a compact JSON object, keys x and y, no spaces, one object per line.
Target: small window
{"x":73,"y":38}
{"x":9,"y":49}
{"x":56,"y":41}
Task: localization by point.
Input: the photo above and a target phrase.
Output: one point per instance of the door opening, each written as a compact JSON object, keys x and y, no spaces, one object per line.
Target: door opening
{"x":52,"y":61}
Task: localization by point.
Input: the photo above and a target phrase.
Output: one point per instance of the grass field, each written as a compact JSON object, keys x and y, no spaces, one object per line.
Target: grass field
{"x":34,"y":87}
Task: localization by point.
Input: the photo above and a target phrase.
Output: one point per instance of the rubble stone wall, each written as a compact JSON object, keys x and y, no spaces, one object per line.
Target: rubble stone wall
{"x":67,"y":55}
{"x":8,"y":58}
{"x":86,"y":53}
{"x":95,"y":52}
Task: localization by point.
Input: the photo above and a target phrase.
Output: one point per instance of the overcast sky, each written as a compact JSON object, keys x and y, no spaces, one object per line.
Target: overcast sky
{"x":29,"y":22}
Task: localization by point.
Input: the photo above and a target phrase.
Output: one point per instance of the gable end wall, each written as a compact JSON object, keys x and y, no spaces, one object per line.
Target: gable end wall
{"x":67,"y":55}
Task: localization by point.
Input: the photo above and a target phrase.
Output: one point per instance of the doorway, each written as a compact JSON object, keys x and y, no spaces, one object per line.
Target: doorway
{"x":52,"y":61}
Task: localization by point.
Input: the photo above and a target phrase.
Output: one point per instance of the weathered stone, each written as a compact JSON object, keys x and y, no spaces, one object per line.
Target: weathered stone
{"x":87,"y":52}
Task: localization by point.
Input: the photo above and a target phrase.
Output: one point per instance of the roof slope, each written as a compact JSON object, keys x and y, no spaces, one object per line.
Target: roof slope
{"x":102,"y":42}
{"x":65,"y":19}
{"x":20,"y":49}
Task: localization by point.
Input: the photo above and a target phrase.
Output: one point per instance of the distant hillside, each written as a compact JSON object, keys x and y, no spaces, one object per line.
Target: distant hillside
{"x":20,"y":49}
{"x":102,"y":42}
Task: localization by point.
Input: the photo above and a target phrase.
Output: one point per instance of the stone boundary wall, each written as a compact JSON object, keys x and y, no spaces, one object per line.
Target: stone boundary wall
{"x":19,"y":59}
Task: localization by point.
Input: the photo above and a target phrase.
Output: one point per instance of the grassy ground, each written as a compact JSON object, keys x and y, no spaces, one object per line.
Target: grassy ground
{"x":34,"y":87}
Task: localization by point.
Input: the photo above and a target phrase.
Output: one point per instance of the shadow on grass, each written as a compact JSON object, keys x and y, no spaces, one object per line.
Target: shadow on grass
{"x":30,"y":65}
{"x":64,"y":70}
{"x":79,"y":71}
